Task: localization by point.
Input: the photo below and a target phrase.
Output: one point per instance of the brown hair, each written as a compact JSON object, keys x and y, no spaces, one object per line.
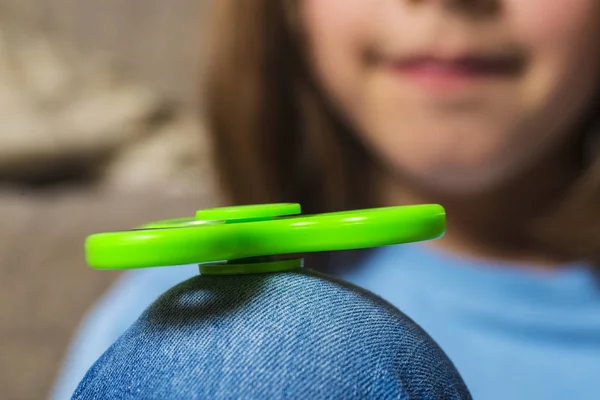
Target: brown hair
{"x":276,"y":139}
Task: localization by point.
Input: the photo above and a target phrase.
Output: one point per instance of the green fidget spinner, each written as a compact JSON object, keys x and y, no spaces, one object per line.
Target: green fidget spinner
{"x":239,"y":240}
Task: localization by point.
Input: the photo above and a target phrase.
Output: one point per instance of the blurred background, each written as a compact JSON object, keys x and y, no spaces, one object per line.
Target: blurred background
{"x":99,"y":130}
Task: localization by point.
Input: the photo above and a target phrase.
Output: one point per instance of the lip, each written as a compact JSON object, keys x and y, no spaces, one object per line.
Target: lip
{"x":452,"y":72}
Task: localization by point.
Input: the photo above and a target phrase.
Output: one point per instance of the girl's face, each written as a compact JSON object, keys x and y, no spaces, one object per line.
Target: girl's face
{"x":457,"y":95}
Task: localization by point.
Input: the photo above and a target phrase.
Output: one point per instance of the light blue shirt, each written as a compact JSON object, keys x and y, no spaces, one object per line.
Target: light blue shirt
{"x":512,"y":332}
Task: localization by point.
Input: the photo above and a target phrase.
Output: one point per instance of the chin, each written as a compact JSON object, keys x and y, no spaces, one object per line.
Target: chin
{"x":452,"y":180}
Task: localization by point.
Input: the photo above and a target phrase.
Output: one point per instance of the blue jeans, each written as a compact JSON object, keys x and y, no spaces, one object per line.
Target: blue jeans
{"x":294,"y":335}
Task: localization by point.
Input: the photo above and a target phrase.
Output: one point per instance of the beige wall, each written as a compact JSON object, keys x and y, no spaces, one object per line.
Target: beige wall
{"x":45,"y":286}
{"x":154,"y":40}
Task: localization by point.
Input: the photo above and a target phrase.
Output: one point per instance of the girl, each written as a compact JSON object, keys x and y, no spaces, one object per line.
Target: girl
{"x":485,"y":106}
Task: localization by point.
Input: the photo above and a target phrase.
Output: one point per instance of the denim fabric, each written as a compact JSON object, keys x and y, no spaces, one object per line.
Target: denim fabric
{"x":298,"y":335}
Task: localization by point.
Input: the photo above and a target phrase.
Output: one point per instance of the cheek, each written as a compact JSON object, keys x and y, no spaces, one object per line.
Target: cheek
{"x":337,"y":32}
{"x":551,"y":21}
{"x":563,"y":45}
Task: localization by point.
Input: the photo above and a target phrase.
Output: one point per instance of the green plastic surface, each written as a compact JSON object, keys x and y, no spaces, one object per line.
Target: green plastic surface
{"x":259,"y":212}
{"x":232,"y":233}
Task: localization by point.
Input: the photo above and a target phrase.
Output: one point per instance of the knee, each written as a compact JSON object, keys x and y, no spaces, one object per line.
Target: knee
{"x":289,"y":335}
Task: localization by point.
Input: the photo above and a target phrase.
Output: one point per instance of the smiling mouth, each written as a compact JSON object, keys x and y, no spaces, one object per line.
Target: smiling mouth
{"x":448,"y":72}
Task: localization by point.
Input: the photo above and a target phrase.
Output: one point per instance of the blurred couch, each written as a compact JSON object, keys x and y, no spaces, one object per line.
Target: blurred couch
{"x":84,"y":148}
